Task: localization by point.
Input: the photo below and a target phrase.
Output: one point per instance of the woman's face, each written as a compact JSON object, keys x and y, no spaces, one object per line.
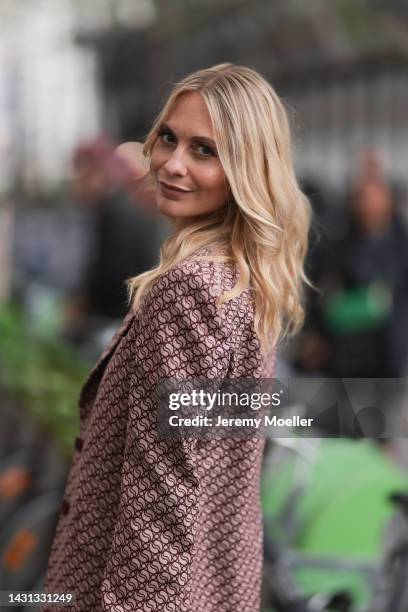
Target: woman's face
{"x":184,"y":162}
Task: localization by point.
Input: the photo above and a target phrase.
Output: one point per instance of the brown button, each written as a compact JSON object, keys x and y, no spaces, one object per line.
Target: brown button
{"x":64,"y":506}
{"x":79,"y":444}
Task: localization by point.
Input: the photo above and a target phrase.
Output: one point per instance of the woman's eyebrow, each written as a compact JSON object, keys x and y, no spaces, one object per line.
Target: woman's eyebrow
{"x":204,"y":140}
{"x":165,"y":126}
{"x":194,"y":139}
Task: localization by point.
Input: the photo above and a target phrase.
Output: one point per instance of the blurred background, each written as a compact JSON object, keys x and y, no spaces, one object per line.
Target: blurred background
{"x":78,"y":77}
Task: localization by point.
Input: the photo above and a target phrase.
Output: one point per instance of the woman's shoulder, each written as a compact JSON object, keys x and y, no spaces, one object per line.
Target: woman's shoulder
{"x":214,"y":275}
{"x":205,"y":280}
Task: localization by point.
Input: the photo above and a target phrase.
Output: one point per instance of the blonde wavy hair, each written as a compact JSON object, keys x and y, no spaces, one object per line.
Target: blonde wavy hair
{"x":264,"y":225}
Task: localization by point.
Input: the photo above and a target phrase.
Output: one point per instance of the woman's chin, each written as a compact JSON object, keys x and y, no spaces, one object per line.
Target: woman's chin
{"x":172,"y":208}
{"x":182,"y":209}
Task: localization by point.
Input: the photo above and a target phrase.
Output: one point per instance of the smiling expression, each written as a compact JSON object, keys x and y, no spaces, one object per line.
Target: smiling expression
{"x":184,"y":161}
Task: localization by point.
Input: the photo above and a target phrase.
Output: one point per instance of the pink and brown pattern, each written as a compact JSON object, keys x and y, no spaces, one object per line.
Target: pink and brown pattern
{"x":164,"y":525}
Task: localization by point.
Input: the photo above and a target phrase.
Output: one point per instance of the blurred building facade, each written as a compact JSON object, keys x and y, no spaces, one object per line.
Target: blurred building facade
{"x":71,"y":69}
{"x":49,"y":93}
{"x":341,"y":71}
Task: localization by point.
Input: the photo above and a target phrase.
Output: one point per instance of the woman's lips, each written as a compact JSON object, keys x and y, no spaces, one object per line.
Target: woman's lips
{"x":166,"y":187}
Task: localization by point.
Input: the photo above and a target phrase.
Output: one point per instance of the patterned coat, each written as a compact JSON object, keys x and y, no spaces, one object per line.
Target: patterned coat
{"x":155,"y":524}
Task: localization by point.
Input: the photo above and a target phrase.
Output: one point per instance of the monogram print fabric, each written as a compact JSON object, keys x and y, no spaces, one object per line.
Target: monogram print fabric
{"x":152,"y":524}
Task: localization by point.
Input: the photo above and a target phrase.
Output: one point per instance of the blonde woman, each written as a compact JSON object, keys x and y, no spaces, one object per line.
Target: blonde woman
{"x":155,"y":524}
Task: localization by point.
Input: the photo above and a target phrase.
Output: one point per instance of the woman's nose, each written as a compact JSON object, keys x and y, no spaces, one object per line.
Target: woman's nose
{"x":176,"y":163}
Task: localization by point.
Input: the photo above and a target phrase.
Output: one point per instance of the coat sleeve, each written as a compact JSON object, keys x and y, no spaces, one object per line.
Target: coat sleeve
{"x":181,"y":335}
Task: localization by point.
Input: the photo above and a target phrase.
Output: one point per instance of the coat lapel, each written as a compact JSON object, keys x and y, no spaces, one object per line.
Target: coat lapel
{"x":90,"y":385}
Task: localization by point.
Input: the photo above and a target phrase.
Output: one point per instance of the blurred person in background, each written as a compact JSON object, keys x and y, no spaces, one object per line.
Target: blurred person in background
{"x":137,"y":181}
{"x":360,"y":328}
{"x":159,"y":522}
{"x":122,"y":238}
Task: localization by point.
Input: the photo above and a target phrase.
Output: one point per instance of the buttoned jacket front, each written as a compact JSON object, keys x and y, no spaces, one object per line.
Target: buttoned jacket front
{"x":150,"y":523}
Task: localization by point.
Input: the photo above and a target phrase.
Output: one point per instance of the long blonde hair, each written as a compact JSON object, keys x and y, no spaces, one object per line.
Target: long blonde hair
{"x":265,"y":224}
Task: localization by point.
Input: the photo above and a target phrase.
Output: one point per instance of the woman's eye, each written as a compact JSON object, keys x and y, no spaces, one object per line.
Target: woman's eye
{"x":166,"y":137}
{"x":205,"y":151}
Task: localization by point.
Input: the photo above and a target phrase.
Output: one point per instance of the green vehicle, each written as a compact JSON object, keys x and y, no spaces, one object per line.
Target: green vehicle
{"x":336,"y":529}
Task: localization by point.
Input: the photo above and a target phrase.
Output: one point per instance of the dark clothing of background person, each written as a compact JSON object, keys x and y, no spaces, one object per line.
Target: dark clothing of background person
{"x":312,"y":347}
{"x":355,"y":261}
{"x":358,"y":260}
{"x":124,"y":245}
